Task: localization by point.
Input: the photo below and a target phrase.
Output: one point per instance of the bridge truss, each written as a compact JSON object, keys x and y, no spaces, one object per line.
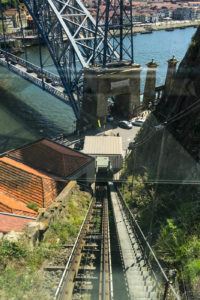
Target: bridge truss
{"x":75,"y":39}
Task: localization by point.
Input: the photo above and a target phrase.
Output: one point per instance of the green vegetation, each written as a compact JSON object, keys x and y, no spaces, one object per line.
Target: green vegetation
{"x":97,"y":223}
{"x":170,"y":217}
{"x":9,"y":3}
{"x":18,"y":284}
{"x":20,"y":267}
{"x":193,"y":49}
{"x":32,"y":206}
{"x":11,"y":250}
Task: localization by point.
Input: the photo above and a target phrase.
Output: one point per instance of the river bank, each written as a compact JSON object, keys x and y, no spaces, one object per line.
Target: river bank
{"x":165,"y":26}
{"x":28,"y":113}
{"x":16,"y":46}
{"x":168,"y":26}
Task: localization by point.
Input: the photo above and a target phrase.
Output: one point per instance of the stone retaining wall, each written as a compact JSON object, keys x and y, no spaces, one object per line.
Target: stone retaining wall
{"x":34,"y":231}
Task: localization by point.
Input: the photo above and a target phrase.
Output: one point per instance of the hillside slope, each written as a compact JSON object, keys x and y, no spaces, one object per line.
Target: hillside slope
{"x":162,"y":175}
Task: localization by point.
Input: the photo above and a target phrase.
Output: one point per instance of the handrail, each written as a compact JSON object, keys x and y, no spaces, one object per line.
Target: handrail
{"x":73,"y":251}
{"x":44,"y":85}
{"x":148,"y":245}
{"x":26,"y":64}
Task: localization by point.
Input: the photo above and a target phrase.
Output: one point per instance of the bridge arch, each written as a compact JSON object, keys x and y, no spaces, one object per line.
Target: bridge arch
{"x":120,"y":80}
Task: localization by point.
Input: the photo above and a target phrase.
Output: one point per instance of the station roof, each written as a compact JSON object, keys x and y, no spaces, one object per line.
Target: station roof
{"x":10,"y":222}
{"x":103,"y":145}
{"x":50,"y":157}
{"x":22,"y":166}
{"x":8,"y":204}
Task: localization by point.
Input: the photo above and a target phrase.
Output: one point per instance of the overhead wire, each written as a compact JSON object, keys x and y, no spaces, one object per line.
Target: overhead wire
{"x":171,"y":120}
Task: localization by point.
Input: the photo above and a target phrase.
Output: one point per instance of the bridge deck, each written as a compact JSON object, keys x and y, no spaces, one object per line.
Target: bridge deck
{"x":37,"y":76}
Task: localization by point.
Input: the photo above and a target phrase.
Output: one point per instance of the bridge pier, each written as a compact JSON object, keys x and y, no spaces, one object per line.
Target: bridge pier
{"x":150,"y":84}
{"x":120,"y":80}
{"x":171,"y":71}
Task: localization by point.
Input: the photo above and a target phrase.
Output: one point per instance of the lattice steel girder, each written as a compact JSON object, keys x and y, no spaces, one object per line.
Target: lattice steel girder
{"x":69,"y":30}
{"x":115,"y":18}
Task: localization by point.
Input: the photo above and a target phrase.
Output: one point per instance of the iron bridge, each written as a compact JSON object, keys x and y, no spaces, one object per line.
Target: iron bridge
{"x":75,"y":40}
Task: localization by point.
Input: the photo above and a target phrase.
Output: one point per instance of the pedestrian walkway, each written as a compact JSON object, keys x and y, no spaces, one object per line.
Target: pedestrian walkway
{"x":140,"y":283}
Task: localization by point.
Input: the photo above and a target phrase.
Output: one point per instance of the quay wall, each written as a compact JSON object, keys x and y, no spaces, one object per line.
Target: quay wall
{"x":143,"y":28}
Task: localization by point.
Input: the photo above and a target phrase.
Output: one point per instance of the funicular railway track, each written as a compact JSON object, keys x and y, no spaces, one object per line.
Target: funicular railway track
{"x":87,"y":274}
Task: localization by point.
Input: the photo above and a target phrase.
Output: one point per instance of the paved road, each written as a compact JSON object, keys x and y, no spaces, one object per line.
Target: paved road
{"x":127,"y":135}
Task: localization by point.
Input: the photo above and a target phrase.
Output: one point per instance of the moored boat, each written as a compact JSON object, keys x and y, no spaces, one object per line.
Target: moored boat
{"x":169,"y":29}
{"x":147,"y":31}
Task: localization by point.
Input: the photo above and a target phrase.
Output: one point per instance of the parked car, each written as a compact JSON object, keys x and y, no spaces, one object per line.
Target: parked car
{"x":13,"y":62}
{"x":55,"y":83}
{"x":40,"y":75}
{"x":125,"y":124}
{"x":79,"y":145}
{"x":138,"y":122}
{"x":29,"y":70}
{"x":48,"y":80}
{"x":110,"y":118}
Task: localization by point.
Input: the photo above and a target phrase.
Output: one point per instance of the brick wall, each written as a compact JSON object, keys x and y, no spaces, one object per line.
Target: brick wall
{"x":50,"y":191}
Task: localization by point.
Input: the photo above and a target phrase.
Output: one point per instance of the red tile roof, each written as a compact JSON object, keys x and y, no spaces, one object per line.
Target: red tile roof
{"x":25,"y":184}
{"x":10,"y":205}
{"x":51,"y":158}
{"x":35,"y":173}
{"x":16,"y":223}
{"x":22,"y":166}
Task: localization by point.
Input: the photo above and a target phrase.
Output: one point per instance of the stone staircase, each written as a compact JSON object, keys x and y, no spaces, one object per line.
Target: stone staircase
{"x":140,"y":281}
{"x":143,"y":282}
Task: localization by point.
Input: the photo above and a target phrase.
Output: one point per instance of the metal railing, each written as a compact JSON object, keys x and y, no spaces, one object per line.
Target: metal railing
{"x":159,"y":90}
{"x":7,"y":61}
{"x":166,"y":286}
{"x":18,"y":34}
{"x":26,"y":64}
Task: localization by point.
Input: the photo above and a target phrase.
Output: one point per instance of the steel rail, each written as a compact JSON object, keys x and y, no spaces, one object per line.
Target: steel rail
{"x":65,"y":276}
{"x":95,"y":214}
{"x":67,"y":284}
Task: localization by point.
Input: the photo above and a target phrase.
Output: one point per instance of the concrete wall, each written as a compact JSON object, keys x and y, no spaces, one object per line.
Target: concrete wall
{"x":119,"y":80}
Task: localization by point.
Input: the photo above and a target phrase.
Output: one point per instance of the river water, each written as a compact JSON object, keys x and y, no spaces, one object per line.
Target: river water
{"x":28,"y":113}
